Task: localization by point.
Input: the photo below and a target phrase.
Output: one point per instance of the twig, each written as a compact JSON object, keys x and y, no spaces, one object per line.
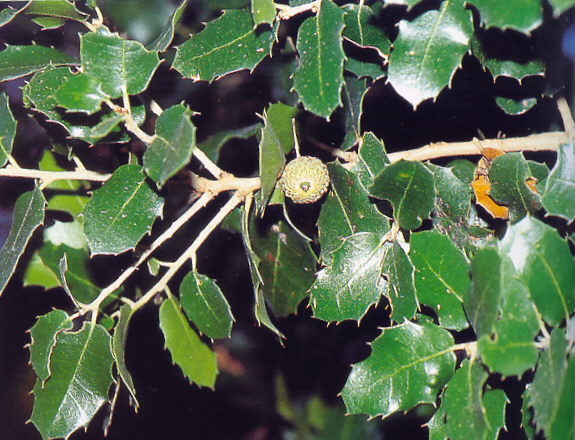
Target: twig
{"x":176,"y":225}
{"x":286,"y":12}
{"x":535,"y":142}
{"x":190,"y":253}
{"x":129,"y":122}
{"x":567,"y":117}
{"x":48,"y":177}
{"x":346,"y":156}
{"x":208,"y":164}
{"x":226,"y":182}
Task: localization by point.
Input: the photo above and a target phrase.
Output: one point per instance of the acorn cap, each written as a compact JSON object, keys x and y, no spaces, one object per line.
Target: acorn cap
{"x":305,"y":179}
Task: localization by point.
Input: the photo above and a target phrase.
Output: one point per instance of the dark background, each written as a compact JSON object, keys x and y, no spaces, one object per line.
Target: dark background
{"x":315,"y":358}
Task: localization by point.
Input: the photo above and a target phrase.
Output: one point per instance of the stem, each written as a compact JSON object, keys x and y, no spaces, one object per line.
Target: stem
{"x":286,"y":12}
{"x":190,"y":253}
{"x":226,"y":182}
{"x":208,"y":164}
{"x":536,"y":142}
{"x":48,"y":177}
{"x":567,"y":118}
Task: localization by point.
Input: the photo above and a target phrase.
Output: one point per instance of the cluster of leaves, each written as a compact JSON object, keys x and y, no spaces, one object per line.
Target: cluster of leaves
{"x":441,"y":268}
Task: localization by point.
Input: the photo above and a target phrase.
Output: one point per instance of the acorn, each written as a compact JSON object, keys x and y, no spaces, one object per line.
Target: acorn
{"x":305,"y":179}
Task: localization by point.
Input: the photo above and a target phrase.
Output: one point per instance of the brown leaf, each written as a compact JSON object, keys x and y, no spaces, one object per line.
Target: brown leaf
{"x":481,"y":188}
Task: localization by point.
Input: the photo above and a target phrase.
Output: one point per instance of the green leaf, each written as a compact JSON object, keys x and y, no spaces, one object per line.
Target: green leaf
{"x":43,"y":338}
{"x":409,"y":3}
{"x":162,"y":41}
{"x":508,"y":176}
{"x":277,"y":140}
{"x":81,"y":367}
{"x":206,"y":306}
{"x":495,"y":402}
{"x":172,"y":146}
{"x":8,"y":14}
{"x":121,"y":212}
{"x":543,"y":261}
{"x":56,"y":9}
{"x":408,"y":365}
{"x":521,"y":15}
{"x":400,"y":272}
{"x":363,"y":69}
{"x":119,"y":348}
{"x":515,"y":107}
{"x":560,"y":187}
{"x":212,"y":146}
{"x":428,"y":51}
{"x":263,"y":11}
{"x":319,"y":77}
{"x":227,"y":44}
{"x":409,"y":188}
{"x":372,"y":159}
{"x":27,"y":216}
{"x":287,"y":266}
{"x":441,"y":277}
{"x":346,"y":210}
{"x":7,"y":129}
{"x":359,"y":29}
{"x":552,"y":394}
{"x":560,"y":6}
{"x":17,"y":61}
{"x":352,"y":282}
{"x":80,"y":93}
{"x":117,"y":64}
{"x":197,"y":360}
{"x":353,"y":92}
{"x":463,"y":404}
{"x":506,"y":341}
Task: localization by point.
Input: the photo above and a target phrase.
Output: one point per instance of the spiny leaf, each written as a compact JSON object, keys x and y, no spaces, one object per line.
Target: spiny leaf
{"x":521,"y":15}
{"x":119,"y":348}
{"x":7,"y":129}
{"x":319,"y":77}
{"x":17,"y":61}
{"x":560,"y":187}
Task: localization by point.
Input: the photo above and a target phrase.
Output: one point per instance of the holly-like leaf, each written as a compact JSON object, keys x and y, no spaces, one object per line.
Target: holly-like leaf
{"x":227,"y":44}
{"x":441,"y":277}
{"x":117,"y":64}
{"x":121,"y":212}
{"x":119,"y":349}
{"x":363,"y":69}
{"x":27,"y":216}
{"x":80,"y":93}
{"x":8,"y":14}
{"x":560,"y":6}
{"x":319,"y":77}
{"x":56,"y":9}
{"x":172,"y":146}
{"x":277,"y":140}
{"x":346,"y":210}
{"x":352,"y":282}
{"x":463,"y":403}
{"x":206,"y":306}
{"x":287,"y":266}
{"x":509,"y":174}
{"x":263,"y":11}
{"x":7,"y":129}
{"x":400,"y":272}
{"x":197,"y":360}
{"x":372,"y":159}
{"x":560,"y":187}
{"x":162,"y":41}
{"x":543,"y":261}
{"x":353,"y":92}
{"x":409,"y":3}
{"x":515,"y":106}
{"x":428,"y":51}
{"x":503,"y":315}
{"x":521,"y":15}
{"x":43,"y":338}
{"x":495,"y":402}
{"x":358,"y":28}
{"x":409,"y":188}
{"x":552,"y":394}
{"x":408,"y":365}
{"x":17,"y":61}
{"x":81,"y":375}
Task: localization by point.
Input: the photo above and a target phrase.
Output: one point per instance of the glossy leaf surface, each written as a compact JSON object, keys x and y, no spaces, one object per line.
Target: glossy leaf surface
{"x":428,"y":51}
{"x":408,"y":365}
{"x":172,"y":146}
{"x":400,"y":272}
{"x":119,"y":350}
{"x":205,"y":305}
{"x":7,"y":129}
{"x":17,"y":61}
{"x":121,"y":212}
{"x":560,"y":187}
{"x":319,"y":77}
{"x":521,"y":15}
{"x":409,"y":188}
